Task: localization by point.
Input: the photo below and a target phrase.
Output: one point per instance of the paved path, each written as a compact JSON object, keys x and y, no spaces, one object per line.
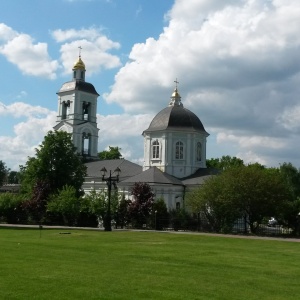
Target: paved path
{"x":169,"y":231}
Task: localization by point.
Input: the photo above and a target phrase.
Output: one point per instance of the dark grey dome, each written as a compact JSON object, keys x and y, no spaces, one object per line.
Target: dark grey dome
{"x":176,"y":118}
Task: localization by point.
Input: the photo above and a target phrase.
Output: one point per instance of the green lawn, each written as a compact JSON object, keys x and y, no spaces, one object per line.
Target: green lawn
{"x":75,"y":264}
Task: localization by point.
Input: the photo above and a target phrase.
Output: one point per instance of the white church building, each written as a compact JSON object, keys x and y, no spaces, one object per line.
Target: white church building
{"x":174,"y":143}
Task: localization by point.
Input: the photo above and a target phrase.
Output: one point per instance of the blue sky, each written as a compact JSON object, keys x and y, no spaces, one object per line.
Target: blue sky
{"x":237,"y":62}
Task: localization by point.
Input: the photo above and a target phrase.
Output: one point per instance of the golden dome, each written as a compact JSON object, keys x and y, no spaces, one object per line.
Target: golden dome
{"x":175,"y":94}
{"x":79,"y":65}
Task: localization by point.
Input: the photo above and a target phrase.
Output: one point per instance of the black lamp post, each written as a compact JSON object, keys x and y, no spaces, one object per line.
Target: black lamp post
{"x":110,"y":180}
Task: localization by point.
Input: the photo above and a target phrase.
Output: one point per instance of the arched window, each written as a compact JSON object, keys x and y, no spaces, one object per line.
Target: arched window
{"x":198,"y":151}
{"x":155,"y":149}
{"x":179,"y":150}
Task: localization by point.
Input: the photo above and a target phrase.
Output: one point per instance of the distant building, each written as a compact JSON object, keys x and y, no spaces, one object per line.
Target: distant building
{"x":174,"y":143}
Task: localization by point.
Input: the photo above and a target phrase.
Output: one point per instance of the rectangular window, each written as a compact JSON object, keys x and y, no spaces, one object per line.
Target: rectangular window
{"x":155,"y":150}
{"x":179,"y":150}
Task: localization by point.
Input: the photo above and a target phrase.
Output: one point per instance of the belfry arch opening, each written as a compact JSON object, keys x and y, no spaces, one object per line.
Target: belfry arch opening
{"x":65,"y":109}
{"x":86,"y":111}
{"x":86,"y":144}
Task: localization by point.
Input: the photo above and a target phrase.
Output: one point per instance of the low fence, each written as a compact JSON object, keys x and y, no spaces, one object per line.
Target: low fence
{"x":187,"y":223}
{"x":202,"y":225}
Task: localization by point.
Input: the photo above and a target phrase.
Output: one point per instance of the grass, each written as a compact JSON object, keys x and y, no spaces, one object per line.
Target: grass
{"x":82,"y":264}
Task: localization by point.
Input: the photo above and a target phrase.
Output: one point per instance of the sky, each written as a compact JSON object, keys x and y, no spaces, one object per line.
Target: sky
{"x":237,"y":63}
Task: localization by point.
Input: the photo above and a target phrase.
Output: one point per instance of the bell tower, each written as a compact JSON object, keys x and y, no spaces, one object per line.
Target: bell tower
{"x":77,"y":109}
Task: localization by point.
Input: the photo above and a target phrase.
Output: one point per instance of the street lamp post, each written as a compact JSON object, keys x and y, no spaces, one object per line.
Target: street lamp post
{"x":110,"y":180}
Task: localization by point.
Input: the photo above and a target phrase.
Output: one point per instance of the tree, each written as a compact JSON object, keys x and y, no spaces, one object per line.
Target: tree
{"x":66,"y":203}
{"x":160,"y":214}
{"x":289,"y":216}
{"x":112,"y":153}
{"x":291,"y":176}
{"x":122,"y":216}
{"x":98,"y":203}
{"x":3,"y":172}
{"x":180,"y":219}
{"x":213,"y":202}
{"x":224,"y":162}
{"x":56,"y":162}
{"x":262,"y":193}
{"x":11,"y":210}
{"x":36,"y":206}
{"x":249,"y":192}
{"x":141,"y":206}
{"x":13,"y":177}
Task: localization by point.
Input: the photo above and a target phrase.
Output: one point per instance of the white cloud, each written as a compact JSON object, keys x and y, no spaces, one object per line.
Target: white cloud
{"x":28,"y":134}
{"x":290,"y":118}
{"x":250,"y":158}
{"x":30,"y":57}
{"x":250,"y":142}
{"x":21,"y":109}
{"x":7,"y":33}
{"x":238,"y":67}
{"x":124,"y":131}
{"x":71,"y":34}
{"x":93,"y":42}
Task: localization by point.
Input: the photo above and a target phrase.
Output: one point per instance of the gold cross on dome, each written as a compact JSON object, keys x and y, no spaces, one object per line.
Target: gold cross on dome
{"x":80,"y":48}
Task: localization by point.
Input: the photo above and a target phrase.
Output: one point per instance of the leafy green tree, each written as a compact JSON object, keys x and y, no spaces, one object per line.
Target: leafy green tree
{"x":122,"y":216}
{"x":11,"y":208}
{"x":262,"y":193}
{"x":291,"y":176}
{"x":289,"y":216}
{"x":98,"y":203}
{"x":213,"y":202}
{"x":3,"y":172}
{"x":112,"y":153}
{"x":251,"y":192}
{"x":13,"y":177}
{"x":224,"y":162}
{"x":56,"y":162}
{"x":180,"y":219}
{"x":141,"y":206}
{"x":66,"y":203}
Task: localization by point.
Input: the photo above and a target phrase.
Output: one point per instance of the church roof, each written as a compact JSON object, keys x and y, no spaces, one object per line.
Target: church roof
{"x":132,"y":173}
{"x":153,"y":175}
{"x":199,"y":177}
{"x":79,"y":85}
{"x":128,"y":169}
{"x":176,"y":117}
